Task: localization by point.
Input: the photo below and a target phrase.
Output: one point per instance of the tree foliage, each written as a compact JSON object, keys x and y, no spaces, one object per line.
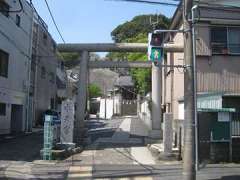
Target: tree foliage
{"x":136,"y":31}
{"x":72,"y":59}
{"x":139,"y":24}
{"x":94,"y":91}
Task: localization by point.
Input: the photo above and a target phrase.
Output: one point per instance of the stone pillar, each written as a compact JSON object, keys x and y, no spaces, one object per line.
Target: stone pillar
{"x":67,"y":121}
{"x":81,"y":98}
{"x":167,"y":133}
{"x":156,"y":102}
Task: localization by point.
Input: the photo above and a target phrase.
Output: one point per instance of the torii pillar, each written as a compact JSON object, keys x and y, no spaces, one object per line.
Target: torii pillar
{"x":81,"y":100}
{"x":156,"y":132}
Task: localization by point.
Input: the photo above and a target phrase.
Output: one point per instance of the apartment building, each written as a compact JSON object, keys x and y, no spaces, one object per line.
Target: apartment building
{"x":48,"y":78}
{"x":218,"y":75}
{"x":15,"y":60}
{"x":32,"y":78}
{"x":218,"y":53}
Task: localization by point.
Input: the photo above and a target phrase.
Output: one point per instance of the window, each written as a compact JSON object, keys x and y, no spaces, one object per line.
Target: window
{"x":4,"y":8}
{"x":18,"y":20}
{"x":43,"y":72}
{"x":62,"y":65}
{"x":54,"y":47}
{"x":52,"y":77}
{"x":219,"y":40}
{"x":4,"y":64}
{"x":225,"y":40}
{"x":2,"y":109}
{"x":45,"y":38}
{"x":234,"y":40}
{"x":52,"y":103}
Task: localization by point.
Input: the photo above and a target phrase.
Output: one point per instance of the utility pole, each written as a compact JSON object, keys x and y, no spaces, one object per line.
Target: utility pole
{"x":189,"y":171}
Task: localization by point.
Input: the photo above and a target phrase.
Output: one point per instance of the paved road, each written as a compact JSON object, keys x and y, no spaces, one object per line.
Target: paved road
{"x":122,"y":155}
{"x":21,"y":148}
{"x":117,"y":151}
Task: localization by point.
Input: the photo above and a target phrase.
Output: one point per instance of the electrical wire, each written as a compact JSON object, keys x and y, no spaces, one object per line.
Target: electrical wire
{"x":15,"y":11}
{"x":149,"y":2}
{"x":53,"y":19}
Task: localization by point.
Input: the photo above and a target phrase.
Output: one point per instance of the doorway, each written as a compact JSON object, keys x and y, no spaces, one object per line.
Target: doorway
{"x":16,"y":118}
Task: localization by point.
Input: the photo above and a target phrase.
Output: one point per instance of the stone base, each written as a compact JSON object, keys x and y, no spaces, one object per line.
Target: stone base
{"x":61,"y":154}
{"x":167,"y":156}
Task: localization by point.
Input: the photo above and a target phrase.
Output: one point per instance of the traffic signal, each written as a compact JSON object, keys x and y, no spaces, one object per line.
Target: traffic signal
{"x":155,"y":50}
{"x":156,"y":39}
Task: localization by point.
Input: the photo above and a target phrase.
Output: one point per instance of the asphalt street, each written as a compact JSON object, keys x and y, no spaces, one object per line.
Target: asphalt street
{"x":116,"y":151}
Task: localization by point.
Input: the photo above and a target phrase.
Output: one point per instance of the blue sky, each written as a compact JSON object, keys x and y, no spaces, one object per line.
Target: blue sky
{"x":89,"y":21}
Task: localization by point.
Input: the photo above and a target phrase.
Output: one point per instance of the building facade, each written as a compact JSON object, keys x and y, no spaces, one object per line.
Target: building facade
{"x":47,"y":72}
{"x":218,"y":52}
{"x":15,"y":60}
{"x":217,"y":60}
{"x":32,"y":78}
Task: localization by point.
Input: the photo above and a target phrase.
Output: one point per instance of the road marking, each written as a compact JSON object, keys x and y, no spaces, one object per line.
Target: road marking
{"x":126,"y":178}
{"x":123,"y":132}
{"x":126,"y":125}
{"x":143,"y":178}
{"x":76,"y":172}
{"x":142,"y":156}
{"x":137,"y":178}
{"x":19,"y":171}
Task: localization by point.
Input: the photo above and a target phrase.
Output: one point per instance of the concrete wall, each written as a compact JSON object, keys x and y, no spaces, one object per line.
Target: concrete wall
{"x":108,"y":110}
{"x":15,"y":41}
{"x":145,"y":114}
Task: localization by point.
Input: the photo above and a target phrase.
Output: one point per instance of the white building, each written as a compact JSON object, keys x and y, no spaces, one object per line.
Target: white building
{"x":15,"y":59}
{"x":48,"y":76}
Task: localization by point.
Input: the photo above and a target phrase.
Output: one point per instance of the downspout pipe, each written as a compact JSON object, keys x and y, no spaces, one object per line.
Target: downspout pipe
{"x":195,"y":84}
{"x":29,"y":118}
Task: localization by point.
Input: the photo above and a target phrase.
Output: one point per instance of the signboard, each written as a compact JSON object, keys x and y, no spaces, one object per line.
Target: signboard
{"x":223,"y":117}
{"x":67,"y":121}
{"x":156,"y":54}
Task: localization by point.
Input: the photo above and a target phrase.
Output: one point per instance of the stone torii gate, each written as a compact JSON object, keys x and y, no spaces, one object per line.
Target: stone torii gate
{"x":85,"y":64}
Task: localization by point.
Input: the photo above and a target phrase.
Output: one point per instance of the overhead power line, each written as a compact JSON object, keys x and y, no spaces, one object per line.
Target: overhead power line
{"x":150,"y":2}
{"x":53,"y":19}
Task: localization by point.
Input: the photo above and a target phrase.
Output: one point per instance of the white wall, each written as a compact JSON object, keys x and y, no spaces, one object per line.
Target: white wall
{"x":113,"y":106}
{"x":145,"y":114}
{"x":15,"y":41}
{"x":181,"y":111}
{"x":109,"y":108}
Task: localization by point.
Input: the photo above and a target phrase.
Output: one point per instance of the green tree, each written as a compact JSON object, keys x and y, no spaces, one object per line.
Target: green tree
{"x":94,"y":91}
{"x":136,"y":31}
{"x":72,"y":59}
{"x":139,"y":24}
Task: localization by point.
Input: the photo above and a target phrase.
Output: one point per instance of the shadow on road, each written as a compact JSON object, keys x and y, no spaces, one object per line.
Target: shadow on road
{"x":234,"y":177}
{"x":101,"y":132}
{"x":22,"y":148}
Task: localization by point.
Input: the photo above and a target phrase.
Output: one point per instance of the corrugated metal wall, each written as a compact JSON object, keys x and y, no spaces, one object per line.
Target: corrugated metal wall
{"x":218,"y":74}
